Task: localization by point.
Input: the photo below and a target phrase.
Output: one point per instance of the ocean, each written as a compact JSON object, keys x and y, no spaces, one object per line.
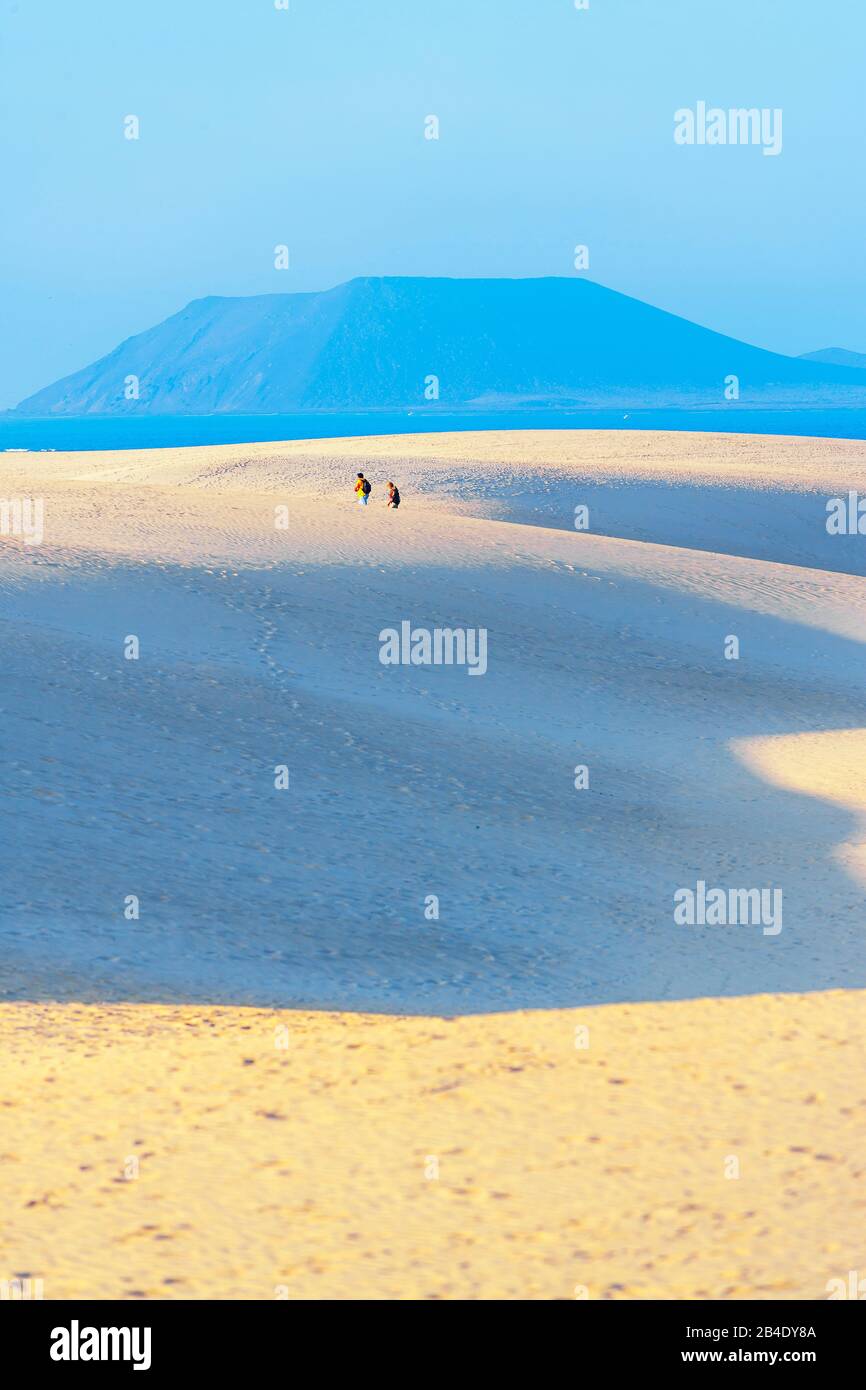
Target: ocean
{"x":172,"y":431}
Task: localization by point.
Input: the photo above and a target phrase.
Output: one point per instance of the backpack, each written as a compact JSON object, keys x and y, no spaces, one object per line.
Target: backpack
{"x":366,"y":488}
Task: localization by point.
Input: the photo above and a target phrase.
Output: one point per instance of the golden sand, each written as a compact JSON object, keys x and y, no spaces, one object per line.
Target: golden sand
{"x":172,"y":1152}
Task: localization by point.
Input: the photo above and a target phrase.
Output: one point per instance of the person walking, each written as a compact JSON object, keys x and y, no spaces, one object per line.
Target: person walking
{"x":393,"y":495}
{"x":362,"y":490}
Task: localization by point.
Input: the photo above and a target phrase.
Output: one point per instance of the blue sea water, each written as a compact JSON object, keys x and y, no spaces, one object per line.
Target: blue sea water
{"x":172,"y":431}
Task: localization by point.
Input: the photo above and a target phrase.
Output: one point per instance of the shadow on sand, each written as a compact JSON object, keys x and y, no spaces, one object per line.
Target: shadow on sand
{"x":431,"y":854}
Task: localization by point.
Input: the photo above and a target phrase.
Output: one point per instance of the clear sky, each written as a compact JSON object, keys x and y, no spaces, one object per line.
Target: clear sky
{"x":305,"y":127}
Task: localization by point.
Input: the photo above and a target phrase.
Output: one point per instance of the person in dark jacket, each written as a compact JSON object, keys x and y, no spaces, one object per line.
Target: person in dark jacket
{"x":393,"y":495}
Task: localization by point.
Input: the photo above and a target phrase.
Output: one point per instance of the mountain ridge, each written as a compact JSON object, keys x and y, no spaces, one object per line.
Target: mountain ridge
{"x":836,"y":357}
{"x":380,"y":342}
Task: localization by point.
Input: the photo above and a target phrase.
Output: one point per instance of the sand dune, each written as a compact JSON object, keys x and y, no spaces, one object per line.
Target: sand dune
{"x":259,"y":647}
{"x":759,"y":496}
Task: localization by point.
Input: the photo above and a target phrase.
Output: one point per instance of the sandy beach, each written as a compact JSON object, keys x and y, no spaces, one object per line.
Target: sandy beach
{"x":246,"y":1056}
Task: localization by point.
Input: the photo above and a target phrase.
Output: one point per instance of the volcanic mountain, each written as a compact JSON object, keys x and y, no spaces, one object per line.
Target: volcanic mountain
{"x":375,"y":343}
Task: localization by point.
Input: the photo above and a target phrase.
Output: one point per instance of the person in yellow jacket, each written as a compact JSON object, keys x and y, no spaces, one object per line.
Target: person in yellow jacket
{"x":362,"y":490}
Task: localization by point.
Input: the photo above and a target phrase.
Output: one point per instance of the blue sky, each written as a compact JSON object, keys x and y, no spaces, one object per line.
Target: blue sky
{"x":306,"y":127}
